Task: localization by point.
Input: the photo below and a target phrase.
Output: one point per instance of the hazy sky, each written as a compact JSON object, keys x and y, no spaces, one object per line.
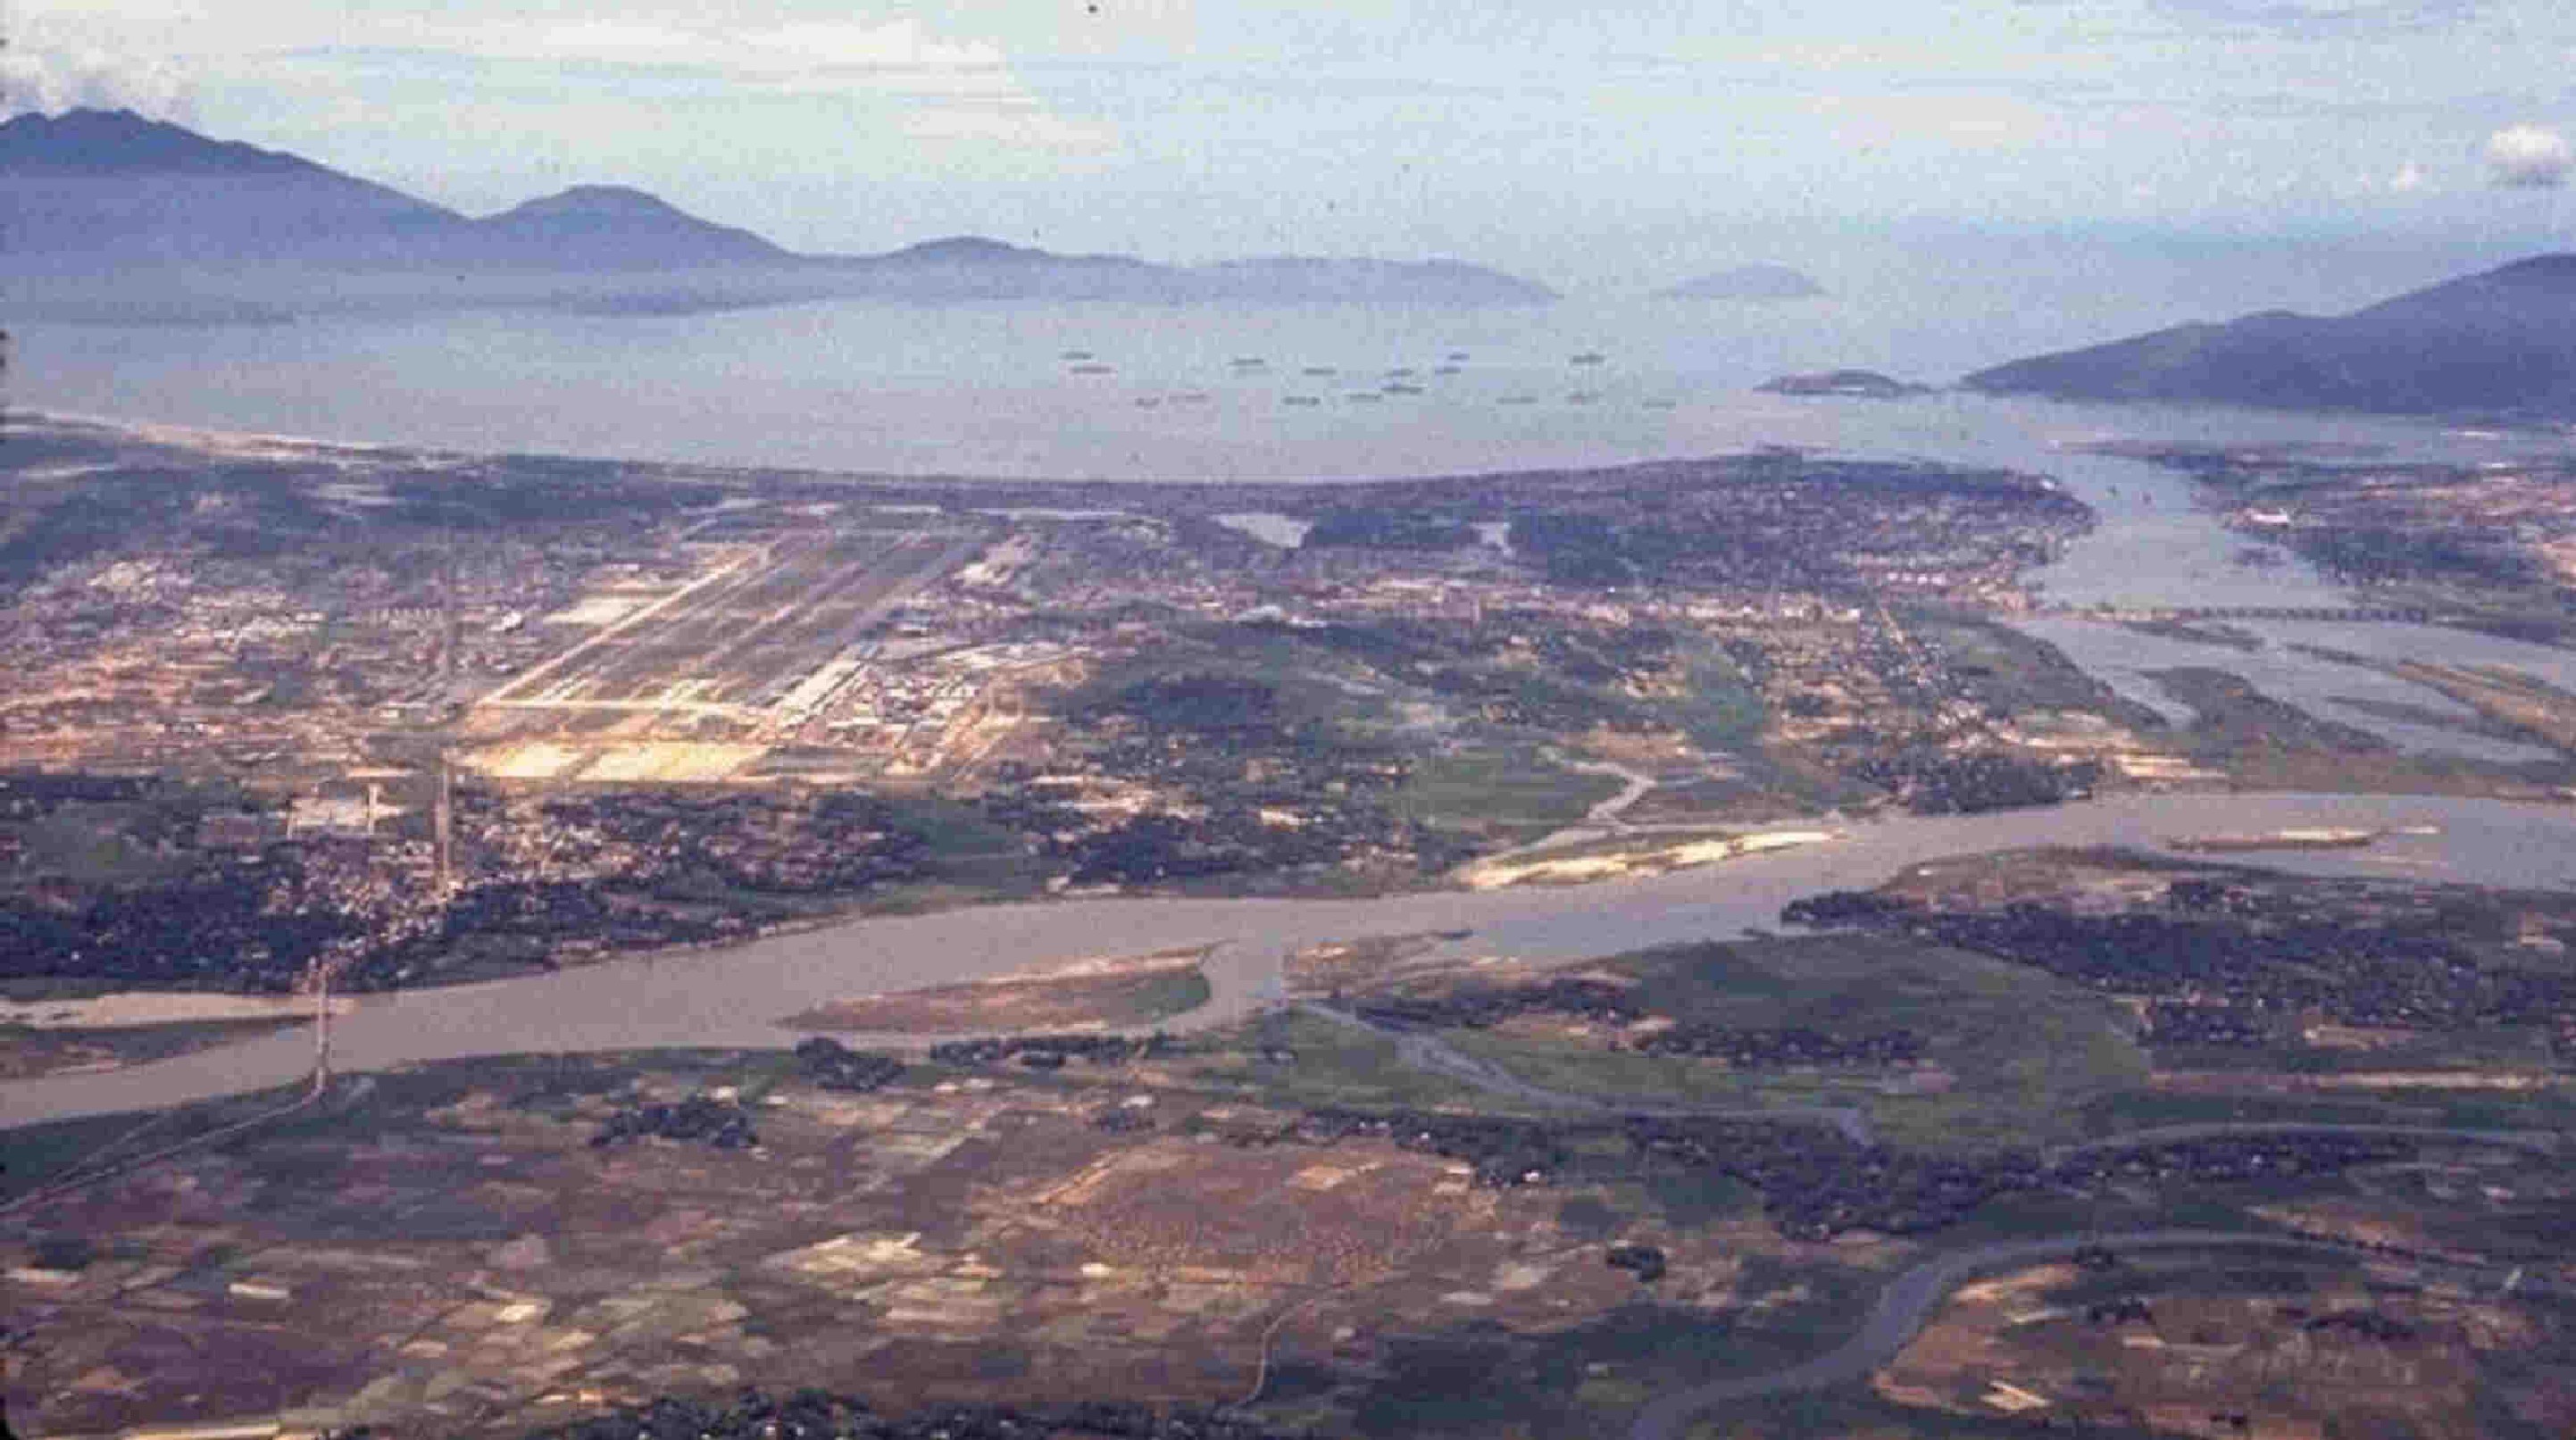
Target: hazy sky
{"x":1563,"y":138}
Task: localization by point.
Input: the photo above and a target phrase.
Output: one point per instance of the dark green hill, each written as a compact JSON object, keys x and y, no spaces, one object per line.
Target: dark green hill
{"x":2500,"y":343}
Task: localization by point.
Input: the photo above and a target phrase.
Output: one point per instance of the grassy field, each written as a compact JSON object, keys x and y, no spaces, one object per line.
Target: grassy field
{"x":1163,"y":996}
{"x":2007,"y":671}
{"x":1719,"y":708}
{"x":2023,"y":1054}
{"x":2025,"y":1050}
{"x":1334,"y":1065}
{"x":2477,"y":1110}
{"x":1512,"y":794}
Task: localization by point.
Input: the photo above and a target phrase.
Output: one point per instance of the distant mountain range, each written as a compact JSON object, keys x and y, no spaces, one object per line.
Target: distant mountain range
{"x":112,"y":196}
{"x":1747,"y":282}
{"x":2501,"y":343}
{"x":613,"y":225}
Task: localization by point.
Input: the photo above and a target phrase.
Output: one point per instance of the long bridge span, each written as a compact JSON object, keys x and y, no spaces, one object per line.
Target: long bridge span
{"x":2332,"y":614}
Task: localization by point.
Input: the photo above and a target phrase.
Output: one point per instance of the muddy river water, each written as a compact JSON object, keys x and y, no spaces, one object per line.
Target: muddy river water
{"x":740,"y":995}
{"x":2152,"y":548}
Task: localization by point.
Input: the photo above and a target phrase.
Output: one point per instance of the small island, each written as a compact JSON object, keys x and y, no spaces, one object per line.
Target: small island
{"x":1747,"y":282}
{"x":1857,"y":384}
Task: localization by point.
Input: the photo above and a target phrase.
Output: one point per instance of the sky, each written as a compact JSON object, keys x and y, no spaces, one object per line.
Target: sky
{"x":1580,"y":142}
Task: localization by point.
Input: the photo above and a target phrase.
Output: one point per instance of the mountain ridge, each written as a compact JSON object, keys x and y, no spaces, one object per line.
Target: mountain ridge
{"x":601,"y":225}
{"x":2497,"y":343}
{"x":117,"y":194}
{"x":90,"y":141}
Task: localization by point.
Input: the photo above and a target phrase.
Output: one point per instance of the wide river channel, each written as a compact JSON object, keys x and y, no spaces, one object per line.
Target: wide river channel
{"x":2153,"y":547}
{"x":741,"y":995}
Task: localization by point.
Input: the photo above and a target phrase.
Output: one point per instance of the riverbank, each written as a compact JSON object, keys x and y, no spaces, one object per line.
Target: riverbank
{"x":741,"y":996}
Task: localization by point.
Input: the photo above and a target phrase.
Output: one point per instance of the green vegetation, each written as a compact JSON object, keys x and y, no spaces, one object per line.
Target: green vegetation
{"x":1507,"y":796}
{"x":2007,"y":673}
{"x":1165,"y":994}
{"x":2523,"y":1049}
{"x":1718,"y":707}
{"x":105,"y":829}
{"x":2230,"y":715}
{"x":2553,"y":1109}
{"x":2011,"y":1056}
{"x":1402,"y":739}
{"x":1590,"y":1068}
{"x":2024,"y":1049}
{"x":1292,"y":1058}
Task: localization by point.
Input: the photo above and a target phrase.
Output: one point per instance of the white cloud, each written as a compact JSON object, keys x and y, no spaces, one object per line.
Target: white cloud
{"x":895,"y":59}
{"x":897,"y":42}
{"x":2529,"y":157}
{"x":2409,"y":178}
{"x":612,"y":40}
{"x":62,"y":78}
{"x":948,"y":88}
{"x":794,"y":49}
{"x":1022,"y":127}
{"x":1966,"y":121}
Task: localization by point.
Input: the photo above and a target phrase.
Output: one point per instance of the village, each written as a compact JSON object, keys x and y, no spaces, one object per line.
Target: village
{"x":391,"y":711}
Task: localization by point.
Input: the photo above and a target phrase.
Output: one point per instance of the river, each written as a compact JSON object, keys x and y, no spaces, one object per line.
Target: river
{"x":981,"y":390}
{"x":741,"y":995}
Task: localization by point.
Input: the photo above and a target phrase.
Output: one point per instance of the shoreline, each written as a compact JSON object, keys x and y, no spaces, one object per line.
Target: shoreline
{"x":753,"y":472}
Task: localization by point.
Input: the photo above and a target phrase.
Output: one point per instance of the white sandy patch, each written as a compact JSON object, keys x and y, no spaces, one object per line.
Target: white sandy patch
{"x":597,"y":610}
{"x":1644,"y":860}
{"x":533,"y":760}
{"x":673,"y":762}
{"x":135,"y":1009}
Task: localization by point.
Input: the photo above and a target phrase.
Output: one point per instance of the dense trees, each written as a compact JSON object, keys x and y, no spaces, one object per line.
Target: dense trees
{"x":1049,"y":1052}
{"x":1933,"y":781}
{"x":2399,"y":973}
{"x":835,"y":1066}
{"x":702,"y":1119}
{"x":1478,"y":1007}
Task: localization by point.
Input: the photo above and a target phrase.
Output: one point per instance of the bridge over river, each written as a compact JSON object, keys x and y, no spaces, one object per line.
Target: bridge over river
{"x":2320,"y":614}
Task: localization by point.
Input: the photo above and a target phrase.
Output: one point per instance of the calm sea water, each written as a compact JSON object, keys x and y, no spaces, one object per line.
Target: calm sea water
{"x":1085,"y":391}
